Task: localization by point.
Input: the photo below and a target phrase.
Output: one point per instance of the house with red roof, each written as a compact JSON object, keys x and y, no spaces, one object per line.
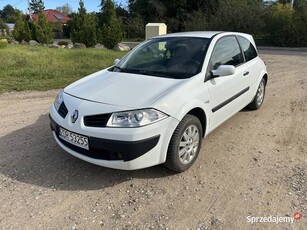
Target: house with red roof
{"x":53,"y":16}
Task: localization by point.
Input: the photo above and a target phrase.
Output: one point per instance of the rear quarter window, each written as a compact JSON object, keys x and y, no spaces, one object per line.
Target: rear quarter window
{"x":248,"y":48}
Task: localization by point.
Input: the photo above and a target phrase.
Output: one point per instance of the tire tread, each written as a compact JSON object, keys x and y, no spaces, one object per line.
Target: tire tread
{"x":172,"y":161}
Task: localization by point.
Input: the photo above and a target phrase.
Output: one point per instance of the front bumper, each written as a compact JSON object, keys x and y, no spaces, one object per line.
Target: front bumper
{"x":105,"y":149}
{"x":119,"y":148}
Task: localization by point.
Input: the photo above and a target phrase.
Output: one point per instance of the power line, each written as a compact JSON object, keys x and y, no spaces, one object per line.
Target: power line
{"x":18,"y":3}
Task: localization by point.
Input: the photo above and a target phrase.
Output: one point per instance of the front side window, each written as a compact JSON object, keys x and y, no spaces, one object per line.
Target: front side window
{"x":226,"y":52}
{"x":173,"y":57}
{"x":248,"y":48}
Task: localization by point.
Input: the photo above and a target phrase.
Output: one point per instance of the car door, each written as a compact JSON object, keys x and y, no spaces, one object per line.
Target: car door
{"x":227,"y":93}
{"x":252,"y":59}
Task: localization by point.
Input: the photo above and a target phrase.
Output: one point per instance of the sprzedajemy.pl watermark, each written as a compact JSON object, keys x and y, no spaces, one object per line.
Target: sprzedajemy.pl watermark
{"x":273,"y":219}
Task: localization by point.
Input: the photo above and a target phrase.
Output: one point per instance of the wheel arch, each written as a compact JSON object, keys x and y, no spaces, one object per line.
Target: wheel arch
{"x":202,"y":117}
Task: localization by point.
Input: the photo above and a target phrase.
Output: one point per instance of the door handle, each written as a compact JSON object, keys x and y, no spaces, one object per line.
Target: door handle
{"x":246,"y":73}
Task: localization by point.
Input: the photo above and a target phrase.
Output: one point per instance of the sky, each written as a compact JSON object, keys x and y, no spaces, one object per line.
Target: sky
{"x":90,"y":5}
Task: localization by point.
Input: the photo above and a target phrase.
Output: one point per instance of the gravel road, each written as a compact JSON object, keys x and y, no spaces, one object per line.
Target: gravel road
{"x":253,"y":165}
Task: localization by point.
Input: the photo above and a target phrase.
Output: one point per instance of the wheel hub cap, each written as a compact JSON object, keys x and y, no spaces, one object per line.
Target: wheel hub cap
{"x":189,"y":143}
{"x":260,"y":93}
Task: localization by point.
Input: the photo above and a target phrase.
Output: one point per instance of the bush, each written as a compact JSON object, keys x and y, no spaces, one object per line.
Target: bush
{"x":278,"y":23}
{"x":286,"y":27}
{"x":3,"y":43}
{"x":299,"y":29}
{"x":63,"y":43}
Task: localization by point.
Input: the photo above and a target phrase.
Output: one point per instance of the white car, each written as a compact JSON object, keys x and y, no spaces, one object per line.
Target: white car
{"x":156,"y":104}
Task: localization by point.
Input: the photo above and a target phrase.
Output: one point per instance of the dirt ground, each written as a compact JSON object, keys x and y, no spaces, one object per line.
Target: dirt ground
{"x":254,"y":165}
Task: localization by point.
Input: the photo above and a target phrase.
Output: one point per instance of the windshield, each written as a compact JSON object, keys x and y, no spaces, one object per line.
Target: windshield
{"x":172,"y":57}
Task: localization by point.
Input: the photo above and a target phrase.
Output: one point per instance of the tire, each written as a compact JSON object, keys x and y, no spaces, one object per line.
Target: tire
{"x":259,"y":97}
{"x":185,"y":144}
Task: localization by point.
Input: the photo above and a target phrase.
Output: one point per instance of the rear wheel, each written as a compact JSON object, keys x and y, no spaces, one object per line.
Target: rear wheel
{"x":259,"y":97}
{"x":185,"y":144}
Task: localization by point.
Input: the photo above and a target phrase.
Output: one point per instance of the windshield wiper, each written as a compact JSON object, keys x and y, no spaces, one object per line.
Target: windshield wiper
{"x":118,"y":69}
{"x":153,"y":73}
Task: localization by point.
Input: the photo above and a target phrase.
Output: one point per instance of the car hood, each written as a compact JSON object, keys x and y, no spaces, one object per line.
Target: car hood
{"x":122,"y":89}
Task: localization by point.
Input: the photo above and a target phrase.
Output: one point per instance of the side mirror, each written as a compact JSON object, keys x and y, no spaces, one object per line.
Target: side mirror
{"x":116,"y":61}
{"x":223,"y":70}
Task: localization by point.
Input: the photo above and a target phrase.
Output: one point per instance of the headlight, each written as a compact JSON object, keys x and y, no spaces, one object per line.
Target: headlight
{"x":136,"y":118}
{"x":58,"y":100}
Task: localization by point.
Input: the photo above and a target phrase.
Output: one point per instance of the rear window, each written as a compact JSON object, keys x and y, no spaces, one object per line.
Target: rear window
{"x":248,"y":48}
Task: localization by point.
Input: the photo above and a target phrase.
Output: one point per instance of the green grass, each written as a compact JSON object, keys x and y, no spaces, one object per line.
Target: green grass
{"x":42,"y":68}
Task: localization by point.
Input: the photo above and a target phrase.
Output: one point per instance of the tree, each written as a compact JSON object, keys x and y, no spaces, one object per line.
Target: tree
{"x":8,"y":14}
{"x":278,"y":24}
{"x":83,"y":27}
{"x":43,"y":31}
{"x":3,"y":25}
{"x":135,"y":27}
{"x":285,"y":26}
{"x":238,"y":15}
{"x":65,"y":9}
{"x":300,"y":5}
{"x":109,"y":25}
{"x":196,"y":21}
{"x":21,"y":29}
{"x":36,"y":6}
{"x":284,"y":1}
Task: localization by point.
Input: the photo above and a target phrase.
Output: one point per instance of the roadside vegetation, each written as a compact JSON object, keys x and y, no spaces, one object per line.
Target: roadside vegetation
{"x":40,"y":68}
{"x":278,"y":23}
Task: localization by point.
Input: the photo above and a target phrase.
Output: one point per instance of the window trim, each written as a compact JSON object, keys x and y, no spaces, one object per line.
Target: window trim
{"x":237,"y":36}
{"x":207,"y":77}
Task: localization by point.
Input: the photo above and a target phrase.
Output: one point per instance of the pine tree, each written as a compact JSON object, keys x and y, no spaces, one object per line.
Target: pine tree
{"x":109,"y":25}
{"x":36,"y":6}
{"x":90,"y":29}
{"x":42,"y":30}
{"x":27,"y":33}
{"x":21,"y":29}
{"x":83,"y":27}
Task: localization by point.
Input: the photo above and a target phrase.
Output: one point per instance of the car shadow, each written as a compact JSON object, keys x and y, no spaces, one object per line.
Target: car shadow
{"x":31,"y":155}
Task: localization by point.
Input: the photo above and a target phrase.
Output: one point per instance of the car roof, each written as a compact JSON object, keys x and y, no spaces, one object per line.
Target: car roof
{"x":202,"y":34}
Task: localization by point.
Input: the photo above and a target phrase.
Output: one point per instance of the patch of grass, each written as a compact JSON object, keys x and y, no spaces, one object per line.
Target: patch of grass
{"x":42,"y":68}
{"x":3,"y":45}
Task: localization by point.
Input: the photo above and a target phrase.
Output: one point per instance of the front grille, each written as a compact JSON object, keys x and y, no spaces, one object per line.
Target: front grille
{"x":63,"y":110}
{"x":99,"y":121}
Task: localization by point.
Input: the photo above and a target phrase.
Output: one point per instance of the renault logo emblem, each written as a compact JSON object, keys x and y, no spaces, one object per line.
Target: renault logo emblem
{"x":74,"y":116}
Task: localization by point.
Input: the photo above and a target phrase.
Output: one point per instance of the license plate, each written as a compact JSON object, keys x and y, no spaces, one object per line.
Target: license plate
{"x":74,"y":138}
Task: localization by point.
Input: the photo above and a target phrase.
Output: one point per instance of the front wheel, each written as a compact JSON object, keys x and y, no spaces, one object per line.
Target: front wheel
{"x":185,"y":144}
{"x":259,"y":97}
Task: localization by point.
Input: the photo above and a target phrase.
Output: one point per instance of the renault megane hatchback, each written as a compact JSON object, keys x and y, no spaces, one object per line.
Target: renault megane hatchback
{"x":156,"y":104}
